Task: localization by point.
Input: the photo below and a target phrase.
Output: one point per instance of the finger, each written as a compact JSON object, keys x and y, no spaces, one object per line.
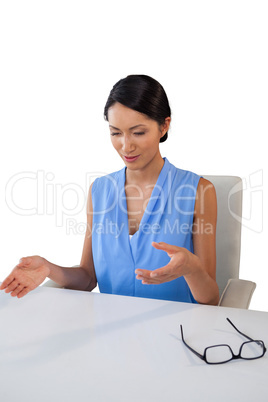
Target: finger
{"x":170,"y":249}
{"x":158,"y":280}
{"x":142,"y":273}
{"x":154,"y":281}
{"x":7,"y":282}
{"x":148,"y":280}
{"x":24,"y":292}
{"x":12,"y":286}
{"x":16,"y":291}
{"x":145,"y":274}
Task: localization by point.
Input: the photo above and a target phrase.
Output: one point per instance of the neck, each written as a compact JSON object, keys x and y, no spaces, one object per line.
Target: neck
{"x":148,"y":174}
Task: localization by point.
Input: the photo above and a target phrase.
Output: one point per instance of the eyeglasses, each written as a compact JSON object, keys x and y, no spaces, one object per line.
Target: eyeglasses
{"x":218,"y":354}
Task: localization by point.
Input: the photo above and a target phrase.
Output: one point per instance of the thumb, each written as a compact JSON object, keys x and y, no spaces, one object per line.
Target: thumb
{"x":25,"y":261}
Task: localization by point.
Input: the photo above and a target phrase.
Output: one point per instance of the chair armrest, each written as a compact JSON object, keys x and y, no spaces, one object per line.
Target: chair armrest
{"x":237,"y":293}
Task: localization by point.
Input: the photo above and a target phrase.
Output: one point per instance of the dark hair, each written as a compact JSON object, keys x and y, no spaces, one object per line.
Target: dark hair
{"x":143,"y":94}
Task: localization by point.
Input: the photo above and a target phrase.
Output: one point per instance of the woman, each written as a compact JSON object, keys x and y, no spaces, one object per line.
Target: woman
{"x":150,"y":226}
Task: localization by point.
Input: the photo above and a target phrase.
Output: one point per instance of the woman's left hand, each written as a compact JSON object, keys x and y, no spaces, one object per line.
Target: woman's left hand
{"x":179,"y":265}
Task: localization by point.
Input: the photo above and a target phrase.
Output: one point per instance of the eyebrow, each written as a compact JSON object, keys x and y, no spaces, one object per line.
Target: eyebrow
{"x":131,"y":128}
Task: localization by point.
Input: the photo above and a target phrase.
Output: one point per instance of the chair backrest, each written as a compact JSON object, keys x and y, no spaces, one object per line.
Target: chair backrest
{"x":228,"y":235}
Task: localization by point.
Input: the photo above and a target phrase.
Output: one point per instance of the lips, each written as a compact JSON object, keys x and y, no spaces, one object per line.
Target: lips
{"x":131,"y":158}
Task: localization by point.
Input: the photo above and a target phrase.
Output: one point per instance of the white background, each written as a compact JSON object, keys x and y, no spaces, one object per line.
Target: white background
{"x":59,"y":60}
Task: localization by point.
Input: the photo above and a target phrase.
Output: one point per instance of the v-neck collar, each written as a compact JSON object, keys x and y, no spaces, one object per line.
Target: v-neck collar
{"x":158,"y":187}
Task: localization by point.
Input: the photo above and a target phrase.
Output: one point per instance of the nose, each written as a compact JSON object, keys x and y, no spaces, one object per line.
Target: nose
{"x":127,"y":144}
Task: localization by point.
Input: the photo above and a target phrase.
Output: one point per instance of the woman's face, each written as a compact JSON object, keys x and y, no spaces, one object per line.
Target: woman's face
{"x":135,"y":136}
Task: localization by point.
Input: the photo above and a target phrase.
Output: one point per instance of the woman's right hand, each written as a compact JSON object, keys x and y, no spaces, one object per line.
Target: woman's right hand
{"x":26,"y":276}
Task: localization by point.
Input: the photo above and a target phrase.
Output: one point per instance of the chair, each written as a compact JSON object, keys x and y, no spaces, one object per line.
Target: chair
{"x":234,"y":292}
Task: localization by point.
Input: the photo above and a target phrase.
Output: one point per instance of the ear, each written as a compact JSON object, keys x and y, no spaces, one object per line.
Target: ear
{"x":165,"y":126}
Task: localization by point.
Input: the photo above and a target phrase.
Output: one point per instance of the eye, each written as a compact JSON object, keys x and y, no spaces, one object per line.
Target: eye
{"x":114,"y":133}
{"x":139,"y":133}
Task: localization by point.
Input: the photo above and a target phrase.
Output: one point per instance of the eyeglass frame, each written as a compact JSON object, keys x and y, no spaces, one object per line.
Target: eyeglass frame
{"x":234,"y":356}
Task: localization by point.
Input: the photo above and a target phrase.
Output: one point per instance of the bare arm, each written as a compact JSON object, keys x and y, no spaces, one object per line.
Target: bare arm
{"x":202,"y":280}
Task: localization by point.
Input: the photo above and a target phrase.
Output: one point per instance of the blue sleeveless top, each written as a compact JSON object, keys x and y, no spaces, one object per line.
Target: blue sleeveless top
{"x":168,"y":218}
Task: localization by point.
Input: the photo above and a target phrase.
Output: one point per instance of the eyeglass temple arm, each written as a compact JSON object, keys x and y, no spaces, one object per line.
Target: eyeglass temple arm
{"x":189,"y":347}
{"x":238,"y":330}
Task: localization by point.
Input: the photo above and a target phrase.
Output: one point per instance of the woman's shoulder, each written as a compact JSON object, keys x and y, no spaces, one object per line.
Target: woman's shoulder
{"x":184,"y":176}
{"x":108,"y":181}
{"x":190,"y":175}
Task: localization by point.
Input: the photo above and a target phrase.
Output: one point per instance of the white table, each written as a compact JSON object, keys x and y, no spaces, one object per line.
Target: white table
{"x":64,"y":345}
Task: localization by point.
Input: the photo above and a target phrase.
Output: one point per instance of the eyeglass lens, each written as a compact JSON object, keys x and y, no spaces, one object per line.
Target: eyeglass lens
{"x":218,"y":354}
{"x":223,"y":353}
{"x":252,"y":350}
